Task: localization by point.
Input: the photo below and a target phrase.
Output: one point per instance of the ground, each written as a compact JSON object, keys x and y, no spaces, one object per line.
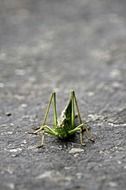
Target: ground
{"x":48,"y":45}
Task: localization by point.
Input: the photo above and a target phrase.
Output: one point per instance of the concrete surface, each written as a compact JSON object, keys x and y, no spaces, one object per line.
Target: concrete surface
{"x":62,"y":45}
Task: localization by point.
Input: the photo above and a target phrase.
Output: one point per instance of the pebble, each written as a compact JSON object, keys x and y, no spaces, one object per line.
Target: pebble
{"x":112,"y":184}
{"x":119,"y":162}
{"x":16,"y":150}
{"x":116,"y":85}
{"x":76,"y":150}
{"x":47,"y":174}
{"x":54,"y":176}
{"x":20,"y":72}
{"x":94,"y":117}
{"x":68,"y":168}
{"x":101,"y":152}
{"x":90,"y":93}
{"x":2,"y":56}
{"x":8,"y":114}
{"x":11,"y":124}
{"x":10,"y":170}
{"x":9,"y":132}
{"x":19,"y":97}
{"x":76,"y":155}
{"x":10,"y":185}
{"x":1,"y":85}
{"x":23,"y":143}
{"x":79,"y":175}
{"x":115,"y":73}
{"x":24,"y":105}
{"x":117,"y":125}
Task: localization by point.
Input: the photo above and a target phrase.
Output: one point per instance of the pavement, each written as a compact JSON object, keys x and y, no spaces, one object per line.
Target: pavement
{"x":54,"y":45}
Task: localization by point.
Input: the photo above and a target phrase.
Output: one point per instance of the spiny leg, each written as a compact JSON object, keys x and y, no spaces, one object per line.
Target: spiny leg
{"x":48,"y":108}
{"x":81,"y":136}
{"x":78,"y":128}
{"x":77,"y":107}
{"x":48,"y":130}
{"x":52,"y":99}
{"x":42,"y":139}
{"x":79,"y":116}
{"x":84,"y":128}
{"x":73,"y":110}
{"x":54,"y":109}
{"x":46,"y":115}
{"x":44,"y":126}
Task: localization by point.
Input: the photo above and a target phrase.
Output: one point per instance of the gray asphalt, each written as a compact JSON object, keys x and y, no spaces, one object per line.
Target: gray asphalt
{"x":48,"y":45}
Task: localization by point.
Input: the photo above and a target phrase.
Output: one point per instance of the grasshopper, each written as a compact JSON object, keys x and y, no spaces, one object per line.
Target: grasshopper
{"x":64,"y":126}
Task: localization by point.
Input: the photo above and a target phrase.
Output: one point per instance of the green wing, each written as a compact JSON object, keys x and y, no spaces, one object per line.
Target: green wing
{"x":68,"y":115}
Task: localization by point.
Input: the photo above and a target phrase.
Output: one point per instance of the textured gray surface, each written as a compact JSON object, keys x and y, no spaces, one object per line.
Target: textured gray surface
{"x":62,"y":45}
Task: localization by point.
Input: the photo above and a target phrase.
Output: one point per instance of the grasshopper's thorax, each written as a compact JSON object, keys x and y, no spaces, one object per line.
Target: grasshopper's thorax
{"x":62,"y":126}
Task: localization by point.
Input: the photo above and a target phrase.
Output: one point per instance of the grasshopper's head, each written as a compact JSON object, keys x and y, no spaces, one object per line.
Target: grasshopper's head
{"x":61,"y":122}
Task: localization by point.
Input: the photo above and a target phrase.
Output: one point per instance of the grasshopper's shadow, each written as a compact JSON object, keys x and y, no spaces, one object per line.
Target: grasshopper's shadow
{"x":67,"y":142}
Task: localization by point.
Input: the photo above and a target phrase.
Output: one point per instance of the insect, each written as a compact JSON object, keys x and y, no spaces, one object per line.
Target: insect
{"x":66,"y":125}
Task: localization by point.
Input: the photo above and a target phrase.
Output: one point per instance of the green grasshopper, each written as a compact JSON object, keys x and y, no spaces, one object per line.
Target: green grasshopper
{"x":64,"y":126}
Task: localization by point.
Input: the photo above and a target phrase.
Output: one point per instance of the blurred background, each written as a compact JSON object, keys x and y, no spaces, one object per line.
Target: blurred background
{"x":48,"y":45}
{"x":63,"y":45}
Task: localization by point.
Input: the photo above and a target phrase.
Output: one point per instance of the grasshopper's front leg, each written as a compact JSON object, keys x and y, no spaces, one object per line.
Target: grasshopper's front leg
{"x":81,"y":136}
{"x":42,"y":138}
{"x":82,"y":128}
{"x":48,"y":130}
{"x":79,"y":128}
{"x":41,"y":131}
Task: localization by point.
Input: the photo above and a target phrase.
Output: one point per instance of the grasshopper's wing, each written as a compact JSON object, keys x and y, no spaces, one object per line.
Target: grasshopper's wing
{"x":66,"y":116}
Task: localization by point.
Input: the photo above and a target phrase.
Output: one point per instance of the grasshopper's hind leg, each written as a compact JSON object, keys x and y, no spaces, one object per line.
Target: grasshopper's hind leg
{"x":83,"y":128}
{"x":39,"y":129}
{"x":44,"y":127}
